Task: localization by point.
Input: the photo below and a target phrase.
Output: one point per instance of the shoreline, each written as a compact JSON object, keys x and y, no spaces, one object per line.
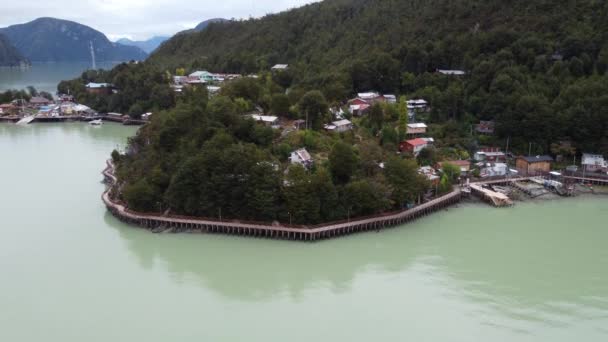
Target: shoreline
{"x":181,"y":224}
{"x":74,"y":118}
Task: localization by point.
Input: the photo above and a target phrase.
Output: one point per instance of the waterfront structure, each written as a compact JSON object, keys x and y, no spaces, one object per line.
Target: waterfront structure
{"x":534,"y":164}
{"x":594,"y":163}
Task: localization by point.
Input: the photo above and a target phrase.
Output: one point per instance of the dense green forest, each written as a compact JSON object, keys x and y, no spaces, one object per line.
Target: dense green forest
{"x":141,"y":88}
{"x":537,"y":68}
{"x":205,"y":158}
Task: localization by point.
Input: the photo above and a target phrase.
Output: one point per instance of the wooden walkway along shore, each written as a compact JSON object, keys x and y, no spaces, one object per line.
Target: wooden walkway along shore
{"x":180,"y":224}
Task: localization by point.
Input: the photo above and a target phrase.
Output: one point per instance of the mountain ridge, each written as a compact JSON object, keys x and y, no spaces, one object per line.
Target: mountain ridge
{"x":57,"y":40}
{"x":148,"y":45}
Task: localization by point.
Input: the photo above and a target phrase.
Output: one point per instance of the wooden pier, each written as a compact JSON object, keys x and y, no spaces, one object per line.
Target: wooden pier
{"x":495,"y":198}
{"x":176,"y":224}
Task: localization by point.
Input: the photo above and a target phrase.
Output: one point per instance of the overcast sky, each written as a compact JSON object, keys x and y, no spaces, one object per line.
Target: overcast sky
{"x":139,"y":19}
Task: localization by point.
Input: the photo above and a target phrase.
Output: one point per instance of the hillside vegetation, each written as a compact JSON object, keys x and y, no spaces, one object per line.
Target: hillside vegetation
{"x":9,"y":56}
{"x":537,"y":68}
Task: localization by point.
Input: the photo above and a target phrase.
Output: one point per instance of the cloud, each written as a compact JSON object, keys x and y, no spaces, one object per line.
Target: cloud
{"x":140,"y":19}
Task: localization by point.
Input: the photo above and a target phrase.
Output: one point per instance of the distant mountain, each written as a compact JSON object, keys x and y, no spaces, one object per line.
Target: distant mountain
{"x":147,"y":45}
{"x":9,"y":55}
{"x":206,"y":23}
{"x":56,"y":40}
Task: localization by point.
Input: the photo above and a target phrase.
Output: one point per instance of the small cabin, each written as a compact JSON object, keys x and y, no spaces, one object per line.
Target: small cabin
{"x":534,"y":164}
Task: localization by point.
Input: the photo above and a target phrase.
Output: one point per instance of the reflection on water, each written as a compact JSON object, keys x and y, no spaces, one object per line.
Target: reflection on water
{"x":44,"y":76}
{"x":535,"y":272}
{"x":542,"y":270}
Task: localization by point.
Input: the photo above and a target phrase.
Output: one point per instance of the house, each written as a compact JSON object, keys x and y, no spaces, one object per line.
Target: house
{"x":430,"y":174}
{"x":213,"y":90}
{"x":429,"y":141}
{"x":417,"y":104}
{"x":301,"y":157}
{"x":533,"y":164}
{"x":299,"y":124}
{"x":266,"y":119}
{"x":594,"y":163}
{"x":340,"y":126}
{"x":180,"y":80}
{"x":8,"y":109}
{"x":390,"y":98}
{"x":202,"y":76}
{"x":38,"y":101}
{"x":464,"y":165}
{"x":493,"y":170}
{"x":99,"y":88}
{"x":416,"y":128}
{"x":490,"y":155}
{"x":359,"y":109}
{"x":485,"y":127}
{"x":451,"y":72}
{"x":413,"y":146}
{"x":280,"y":67}
{"x":370,"y":97}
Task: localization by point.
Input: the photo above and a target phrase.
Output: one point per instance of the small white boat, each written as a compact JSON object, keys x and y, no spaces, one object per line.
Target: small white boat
{"x":97,"y":122}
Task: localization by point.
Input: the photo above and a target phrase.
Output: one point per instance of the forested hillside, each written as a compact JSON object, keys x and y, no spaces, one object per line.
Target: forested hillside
{"x":537,"y":68}
{"x":9,"y":56}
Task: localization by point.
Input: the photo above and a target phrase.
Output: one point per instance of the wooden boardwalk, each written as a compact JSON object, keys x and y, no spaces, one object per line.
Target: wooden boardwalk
{"x":196,"y":225}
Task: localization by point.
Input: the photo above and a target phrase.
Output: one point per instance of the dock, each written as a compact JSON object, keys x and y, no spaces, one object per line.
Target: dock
{"x":495,"y":198}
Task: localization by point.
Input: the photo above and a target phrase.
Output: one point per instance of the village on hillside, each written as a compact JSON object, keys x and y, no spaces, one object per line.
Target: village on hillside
{"x":417,"y":142}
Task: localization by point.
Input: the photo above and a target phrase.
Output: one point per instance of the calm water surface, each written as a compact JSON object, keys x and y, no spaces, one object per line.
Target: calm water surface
{"x":44,"y":76}
{"x":70,"y":272}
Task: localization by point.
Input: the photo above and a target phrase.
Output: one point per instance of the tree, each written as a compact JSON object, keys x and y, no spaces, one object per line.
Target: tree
{"x":451,"y":171}
{"x":279,"y":105}
{"x":141,"y":196}
{"x":313,"y":108}
{"x":342,"y":162}
{"x":301,"y":200}
{"x":405,"y":182}
{"x":376,"y":116}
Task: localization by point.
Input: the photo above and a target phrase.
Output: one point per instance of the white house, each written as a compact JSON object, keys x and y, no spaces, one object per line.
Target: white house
{"x":594,"y":163}
{"x":340,"y":126}
{"x":301,"y":157}
{"x":390,"y":98}
{"x":416,"y":104}
{"x":280,"y":67}
{"x":266,"y":119}
{"x":416,"y":128}
{"x":494,"y":170}
{"x":451,"y":72}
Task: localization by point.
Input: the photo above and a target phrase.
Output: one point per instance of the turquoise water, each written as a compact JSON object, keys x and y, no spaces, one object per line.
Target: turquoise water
{"x":71,"y":272}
